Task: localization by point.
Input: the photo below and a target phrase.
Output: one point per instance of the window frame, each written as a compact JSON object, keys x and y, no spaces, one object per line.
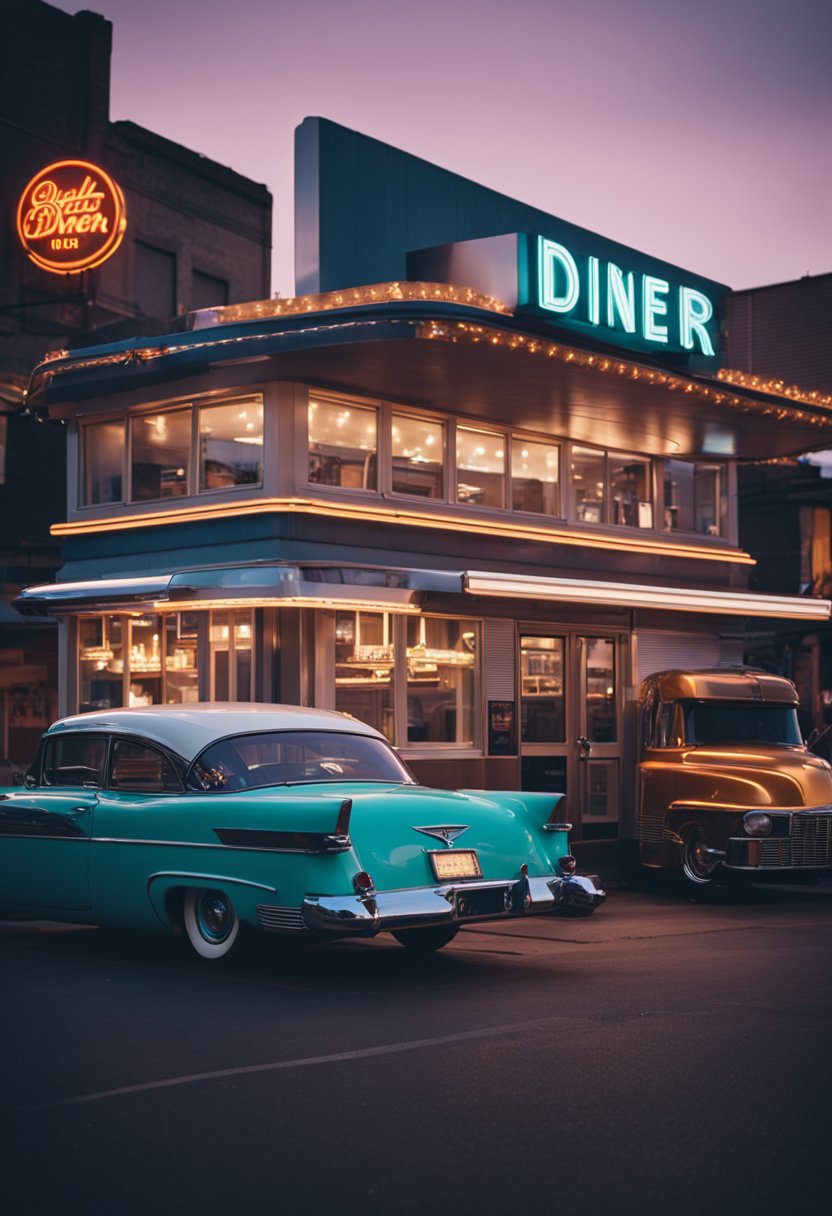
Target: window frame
{"x":60,"y":737}
{"x":174,"y":761}
{"x":723,"y":496}
{"x":347,"y":400}
{"x":130,"y":416}
{"x":325,"y":685}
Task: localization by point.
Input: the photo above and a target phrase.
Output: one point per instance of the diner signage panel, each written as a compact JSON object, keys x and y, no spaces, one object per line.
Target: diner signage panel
{"x":71,"y":217}
{"x":617,"y":296}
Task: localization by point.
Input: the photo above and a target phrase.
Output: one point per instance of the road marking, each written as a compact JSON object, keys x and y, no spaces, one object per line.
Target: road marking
{"x":362,"y":1053}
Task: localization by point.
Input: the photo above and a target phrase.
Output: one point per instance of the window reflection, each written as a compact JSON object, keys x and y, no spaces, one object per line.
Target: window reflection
{"x":230,"y":445}
{"x":534,"y":477}
{"x":541,"y":684}
{"x":588,"y":481}
{"x":480,"y":467}
{"x":364,"y":665}
{"x":631,"y":494}
{"x":600,"y":690}
{"x":441,"y":680}
{"x":695,"y":498}
{"x":103,"y":456}
{"x":101,"y":662}
{"x":232,"y":671}
{"x":342,"y":444}
{"x":418,"y":456}
{"x":161,"y":455}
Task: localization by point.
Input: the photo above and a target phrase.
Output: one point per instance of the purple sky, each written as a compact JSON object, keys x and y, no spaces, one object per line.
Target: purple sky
{"x":700,"y":133}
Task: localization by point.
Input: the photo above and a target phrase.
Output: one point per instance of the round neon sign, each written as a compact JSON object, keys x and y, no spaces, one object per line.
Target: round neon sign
{"x":71,"y":217}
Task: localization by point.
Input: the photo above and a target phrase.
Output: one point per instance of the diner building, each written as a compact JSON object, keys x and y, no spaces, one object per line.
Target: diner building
{"x":471,"y":485}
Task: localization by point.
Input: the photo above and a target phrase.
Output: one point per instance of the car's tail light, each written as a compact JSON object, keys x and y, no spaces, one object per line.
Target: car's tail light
{"x":362,"y":882}
{"x":568,"y":863}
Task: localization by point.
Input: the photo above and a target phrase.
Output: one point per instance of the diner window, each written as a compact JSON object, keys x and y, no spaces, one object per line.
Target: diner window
{"x":181,"y":632}
{"x":160,"y":455}
{"x":232,"y":669}
{"x":418,"y":456}
{"x":441,"y":680}
{"x":145,"y":673}
{"x":343,"y":444}
{"x":136,"y":660}
{"x":101,"y":662}
{"x":480,"y":467}
{"x":589,"y":477}
{"x":534,"y":477}
{"x":364,"y":668}
{"x":695,"y":498}
{"x":103,"y":459}
{"x":231,"y":444}
{"x":631,"y":490}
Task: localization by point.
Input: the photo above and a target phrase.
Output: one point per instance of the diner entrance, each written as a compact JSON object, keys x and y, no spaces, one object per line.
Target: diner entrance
{"x":571,"y":723}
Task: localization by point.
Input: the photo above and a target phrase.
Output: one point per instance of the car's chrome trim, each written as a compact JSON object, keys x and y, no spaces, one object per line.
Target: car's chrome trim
{"x":212,"y":878}
{"x":353,"y":915}
{"x":264,"y":840}
{"x":79,"y":839}
{"x":170,"y":844}
{"x":280,"y":919}
{"x":448,"y":833}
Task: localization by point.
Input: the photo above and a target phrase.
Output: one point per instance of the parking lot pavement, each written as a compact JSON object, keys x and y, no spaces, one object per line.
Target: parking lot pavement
{"x":658,"y":911}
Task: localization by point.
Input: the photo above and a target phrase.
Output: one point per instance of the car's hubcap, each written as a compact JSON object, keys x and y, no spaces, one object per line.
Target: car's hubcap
{"x":214,"y":916}
{"x":701,"y":864}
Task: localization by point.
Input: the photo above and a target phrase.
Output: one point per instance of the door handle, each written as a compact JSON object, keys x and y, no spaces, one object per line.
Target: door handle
{"x":585,"y":746}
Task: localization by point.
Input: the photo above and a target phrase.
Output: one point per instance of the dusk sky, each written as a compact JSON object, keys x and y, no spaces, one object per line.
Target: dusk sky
{"x":699,"y":133}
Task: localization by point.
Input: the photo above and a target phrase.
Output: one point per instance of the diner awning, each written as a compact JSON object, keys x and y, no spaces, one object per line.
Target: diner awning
{"x":281,"y":585}
{"x":638,"y":595}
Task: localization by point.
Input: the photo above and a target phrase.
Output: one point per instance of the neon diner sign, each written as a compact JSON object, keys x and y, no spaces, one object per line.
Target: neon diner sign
{"x":624,"y":298}
{"x":71,"y":217}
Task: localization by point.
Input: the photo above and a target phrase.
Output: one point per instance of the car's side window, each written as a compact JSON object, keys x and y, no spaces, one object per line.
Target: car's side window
{"x":142,"y":770}
{"x":74,"y":759}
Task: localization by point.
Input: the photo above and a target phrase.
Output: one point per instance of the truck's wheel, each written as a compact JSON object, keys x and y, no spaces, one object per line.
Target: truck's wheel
{"x":698,"y":867}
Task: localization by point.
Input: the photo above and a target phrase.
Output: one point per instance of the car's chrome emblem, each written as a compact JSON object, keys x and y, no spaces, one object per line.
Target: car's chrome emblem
{"x":447,"y":834}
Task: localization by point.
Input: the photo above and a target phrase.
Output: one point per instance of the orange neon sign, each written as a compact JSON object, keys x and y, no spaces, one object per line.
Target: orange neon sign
{"x":71,"y":217}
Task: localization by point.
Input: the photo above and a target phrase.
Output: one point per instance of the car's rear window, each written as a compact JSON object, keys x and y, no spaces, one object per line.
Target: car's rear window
{"x":709,"y":722}
{"x":292,"y":757}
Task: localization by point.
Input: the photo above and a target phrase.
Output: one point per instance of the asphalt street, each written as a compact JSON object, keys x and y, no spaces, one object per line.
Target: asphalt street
{"x":659,"y":1057}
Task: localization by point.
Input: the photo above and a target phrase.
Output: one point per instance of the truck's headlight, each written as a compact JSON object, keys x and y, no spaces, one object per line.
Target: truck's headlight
{"x":757,"y":823}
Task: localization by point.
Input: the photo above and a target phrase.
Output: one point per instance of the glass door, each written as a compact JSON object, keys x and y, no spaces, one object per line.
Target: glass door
{"x":599,"y":734}
{"x":545,"y":710}
{"x":570,"y":724}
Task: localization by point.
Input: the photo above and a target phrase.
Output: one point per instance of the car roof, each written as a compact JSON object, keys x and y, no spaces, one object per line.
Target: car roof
{"x":188,"y":729}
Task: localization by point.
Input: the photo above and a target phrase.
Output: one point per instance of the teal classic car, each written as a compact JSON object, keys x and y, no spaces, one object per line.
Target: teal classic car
{"x":204,"y":820}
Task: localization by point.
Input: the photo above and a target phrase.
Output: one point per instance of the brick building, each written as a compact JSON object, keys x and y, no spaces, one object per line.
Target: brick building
{"x":197,"y":235}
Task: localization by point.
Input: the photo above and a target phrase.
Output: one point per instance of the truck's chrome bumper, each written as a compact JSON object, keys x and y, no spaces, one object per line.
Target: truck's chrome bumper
{"x":448,"y":903}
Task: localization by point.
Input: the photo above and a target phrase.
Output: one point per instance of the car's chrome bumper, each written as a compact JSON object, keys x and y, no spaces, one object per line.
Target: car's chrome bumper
{"x":450,"y":903}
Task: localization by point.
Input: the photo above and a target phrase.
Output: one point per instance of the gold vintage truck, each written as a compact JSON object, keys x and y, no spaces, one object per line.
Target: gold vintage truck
{"x":727,"y":785}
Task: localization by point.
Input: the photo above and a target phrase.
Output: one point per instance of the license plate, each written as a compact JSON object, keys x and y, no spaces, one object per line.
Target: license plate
{"x":456,"y":863}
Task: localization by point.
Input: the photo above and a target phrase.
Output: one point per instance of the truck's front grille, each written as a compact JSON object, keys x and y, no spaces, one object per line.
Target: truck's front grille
{"x":810,"y":843}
